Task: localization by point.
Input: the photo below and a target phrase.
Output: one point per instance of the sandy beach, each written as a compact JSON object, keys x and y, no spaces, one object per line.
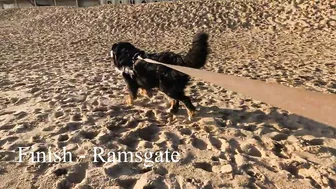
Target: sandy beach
{"x":59,"y":91}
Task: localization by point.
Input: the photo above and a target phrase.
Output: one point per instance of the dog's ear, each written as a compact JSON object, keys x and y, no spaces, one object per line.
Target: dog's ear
{"x":114,"y":46}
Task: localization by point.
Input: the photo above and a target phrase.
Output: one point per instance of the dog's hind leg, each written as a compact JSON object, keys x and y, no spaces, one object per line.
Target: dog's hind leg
{"x":191,"y":109}
{"x":174,"y":106}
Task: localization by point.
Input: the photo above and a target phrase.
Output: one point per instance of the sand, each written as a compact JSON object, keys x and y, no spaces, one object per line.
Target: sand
{"x":59,"y":89}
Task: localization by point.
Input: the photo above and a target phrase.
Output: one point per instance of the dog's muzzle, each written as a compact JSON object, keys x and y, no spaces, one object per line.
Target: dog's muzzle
{"x":111,"y":53}
{"x":125,"y":69}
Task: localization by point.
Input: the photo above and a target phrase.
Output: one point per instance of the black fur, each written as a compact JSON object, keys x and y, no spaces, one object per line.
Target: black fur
{"x":148,"y":76}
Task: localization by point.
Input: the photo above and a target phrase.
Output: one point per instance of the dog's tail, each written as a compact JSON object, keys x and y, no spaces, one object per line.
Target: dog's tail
{"x":197,"y":55}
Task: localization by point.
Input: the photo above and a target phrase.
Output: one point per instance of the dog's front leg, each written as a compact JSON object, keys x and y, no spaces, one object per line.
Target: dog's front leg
{"x":132,"y":89}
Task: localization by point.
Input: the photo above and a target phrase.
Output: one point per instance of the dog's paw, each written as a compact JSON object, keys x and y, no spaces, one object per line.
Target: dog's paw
{"x":145,"y":93}
{"x":191,"y":114}
{"x":129,"y":100}
{"x":172,"y":110}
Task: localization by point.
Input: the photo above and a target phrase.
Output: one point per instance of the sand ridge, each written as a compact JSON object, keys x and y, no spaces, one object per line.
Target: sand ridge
{"x":58,"y":89}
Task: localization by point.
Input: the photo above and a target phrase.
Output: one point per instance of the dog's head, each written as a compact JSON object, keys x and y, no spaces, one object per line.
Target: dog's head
{"x":123,"y":54}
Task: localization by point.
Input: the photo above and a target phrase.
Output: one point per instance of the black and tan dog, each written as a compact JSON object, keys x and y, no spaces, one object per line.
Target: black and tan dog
{"x":143,"y":76}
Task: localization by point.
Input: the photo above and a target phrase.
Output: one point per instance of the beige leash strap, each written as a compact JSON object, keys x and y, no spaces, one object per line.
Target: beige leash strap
{"x":314,"y":105}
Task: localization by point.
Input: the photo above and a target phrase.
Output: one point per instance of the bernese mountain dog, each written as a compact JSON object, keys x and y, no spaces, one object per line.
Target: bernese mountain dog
{"x":143,"y":76}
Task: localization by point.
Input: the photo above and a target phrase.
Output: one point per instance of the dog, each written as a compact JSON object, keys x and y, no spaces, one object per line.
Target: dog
{"x":143,"y":76}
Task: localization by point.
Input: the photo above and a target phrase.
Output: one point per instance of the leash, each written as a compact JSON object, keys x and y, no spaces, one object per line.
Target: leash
{"x":313,"y":105}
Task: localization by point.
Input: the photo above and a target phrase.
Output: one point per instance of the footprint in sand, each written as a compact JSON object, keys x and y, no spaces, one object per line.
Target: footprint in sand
{"x":311,"y":141}
{"x":278,"y":149}
{"x":8,"y":140}
{"x":203,"y":165}
{"x":7,"y":126}
{"x":16,"y":145}
{"x":88,"y":134}
{"x":255,"y":174}
{"x":77,"y":173}
{"x":76,"y":117}
{"x":42,"y":117}
{"x":185,"y":131}
{"x":293,"y":167}
{"x":72,"y":126}
{"x":38,"y":110}
{"x":115,"y":127}
{"x":63,"y":138}
{"x":104,"y":138}
{"x":149,"y":114}
{"x":20,"y":114}
{"x":148,"y":133}
{"x":174,"y":138}
{"x":60,"y":172}
{"x":160,"y":170}
{"x":316,"y":142}
{"x":58,"y":114}
{"x":152,"y":181}
{"x":126,"y":183}
{"x":218,"y":143}
{"x":12,"y":100}
{"x":21,"y":101}
{"x":7,"y":156}
{"x":199,"y":144}
{"x":187,"y":158}
{"x":130,"y":139}
{"x":278,"y":136}
{"x":120,"y":169}
{"x":49,"y":128}
{"x":131,"y":124}
{"x":251,"y":150}
{"x":144,"y":145}
{"x":22,"y":127}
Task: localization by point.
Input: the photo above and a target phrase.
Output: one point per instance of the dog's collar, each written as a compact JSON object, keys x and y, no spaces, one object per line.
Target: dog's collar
{"x":136,"y":56}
